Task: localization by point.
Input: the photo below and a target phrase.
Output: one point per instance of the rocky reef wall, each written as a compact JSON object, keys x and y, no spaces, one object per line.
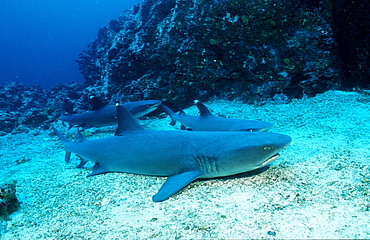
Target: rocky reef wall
{"x":24,"y":107}
{"x":181,"y":50}
{"x":351,"y":27}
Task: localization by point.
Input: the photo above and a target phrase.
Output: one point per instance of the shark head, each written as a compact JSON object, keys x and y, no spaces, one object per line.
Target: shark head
{"x":261,"y":149}
{"x":105,"y":115}
{"x":140,"y":108}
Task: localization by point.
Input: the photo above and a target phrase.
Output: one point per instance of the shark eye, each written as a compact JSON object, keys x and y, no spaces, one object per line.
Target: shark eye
{"x":267,"y":148}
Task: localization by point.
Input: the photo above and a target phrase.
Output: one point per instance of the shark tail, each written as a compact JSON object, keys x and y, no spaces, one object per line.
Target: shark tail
{"x":181,"y":111}
{"x":82,"y":162}
{"x":170,"y":113}
{"x":64,"y":141}
{"x":60,"y":136}
{"x":79,"y":138}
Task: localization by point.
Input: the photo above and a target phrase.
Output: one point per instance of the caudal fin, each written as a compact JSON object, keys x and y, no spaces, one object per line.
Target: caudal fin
{"x":60,"y":135}
{"x":64,"y":140}
{"x":170,"y":113}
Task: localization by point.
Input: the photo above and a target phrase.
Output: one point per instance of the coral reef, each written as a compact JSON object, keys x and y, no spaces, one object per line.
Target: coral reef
{"x":185,"y":50}
{"x":20,"y":104}
{"x":351,"y":27}
{"x":181,"y":50}
{"x":8,"y":200}
{"x":23,"y":106}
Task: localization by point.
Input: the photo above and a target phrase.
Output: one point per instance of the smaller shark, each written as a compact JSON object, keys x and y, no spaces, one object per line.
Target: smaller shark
{"x":209,"y":122}
{"x":182,"y":156}
{"x":105,"y":115}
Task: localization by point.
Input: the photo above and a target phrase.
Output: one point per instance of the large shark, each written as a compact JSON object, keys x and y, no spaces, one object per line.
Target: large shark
{"x":209,"y":122}
{"x":105,"y":115}
{"x":183,"y":156}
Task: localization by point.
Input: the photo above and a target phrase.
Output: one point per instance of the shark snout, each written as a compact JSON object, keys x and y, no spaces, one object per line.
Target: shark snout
{"x":144,"y":107}
{"x":278,"y":142}
{"x":285,"y":141}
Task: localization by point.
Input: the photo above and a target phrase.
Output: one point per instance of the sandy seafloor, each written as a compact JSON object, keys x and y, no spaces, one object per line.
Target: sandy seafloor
{"x":318,"y":188}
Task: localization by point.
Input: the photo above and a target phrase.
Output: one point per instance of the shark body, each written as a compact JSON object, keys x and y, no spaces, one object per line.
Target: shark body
{"x":106,"y":115}
{"x":209,"y":122}
{"x":182,"y":156}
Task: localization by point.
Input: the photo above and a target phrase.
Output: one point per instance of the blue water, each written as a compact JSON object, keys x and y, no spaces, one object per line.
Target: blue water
{"x":40,"y":39}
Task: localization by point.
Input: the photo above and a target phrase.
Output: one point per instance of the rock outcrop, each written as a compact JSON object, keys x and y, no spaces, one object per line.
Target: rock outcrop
{"x":20,"y":105}
{"x":181,"y":50}
{"x":23,"y":106}
{"x":8,"y":200}
{"x":351,"y":27}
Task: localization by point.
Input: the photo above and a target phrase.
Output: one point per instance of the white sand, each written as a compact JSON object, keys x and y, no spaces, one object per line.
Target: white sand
{"x":318,"y":188}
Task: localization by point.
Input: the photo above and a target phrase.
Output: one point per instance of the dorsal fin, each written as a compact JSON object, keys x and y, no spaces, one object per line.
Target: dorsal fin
{"x":97,"y":103}
{"x":80,"y":137}
{"x":204,"y":112}
{"x":126,"y":122}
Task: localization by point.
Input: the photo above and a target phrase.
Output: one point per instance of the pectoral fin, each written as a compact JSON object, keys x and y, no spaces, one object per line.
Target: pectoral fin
{"x":82,"y":162}
{"x":174,"y":184}
{"x":97,"y":170}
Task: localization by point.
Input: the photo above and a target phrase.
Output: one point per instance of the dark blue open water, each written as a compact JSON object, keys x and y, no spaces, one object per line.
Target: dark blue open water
{"x":40,"y":40}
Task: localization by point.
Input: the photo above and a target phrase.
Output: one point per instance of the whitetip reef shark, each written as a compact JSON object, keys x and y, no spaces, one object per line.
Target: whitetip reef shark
{"x":209,"y":122}
{"x":105,"y":115}
{"x":182,"y":156}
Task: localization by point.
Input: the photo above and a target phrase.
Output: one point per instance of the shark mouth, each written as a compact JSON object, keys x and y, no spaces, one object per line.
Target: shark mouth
{"x":271,"y":159}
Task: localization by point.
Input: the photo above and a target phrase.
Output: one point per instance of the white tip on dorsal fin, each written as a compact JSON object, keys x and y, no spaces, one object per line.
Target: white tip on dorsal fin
{"x":204,"y":112}
{"x":126,"y":122}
